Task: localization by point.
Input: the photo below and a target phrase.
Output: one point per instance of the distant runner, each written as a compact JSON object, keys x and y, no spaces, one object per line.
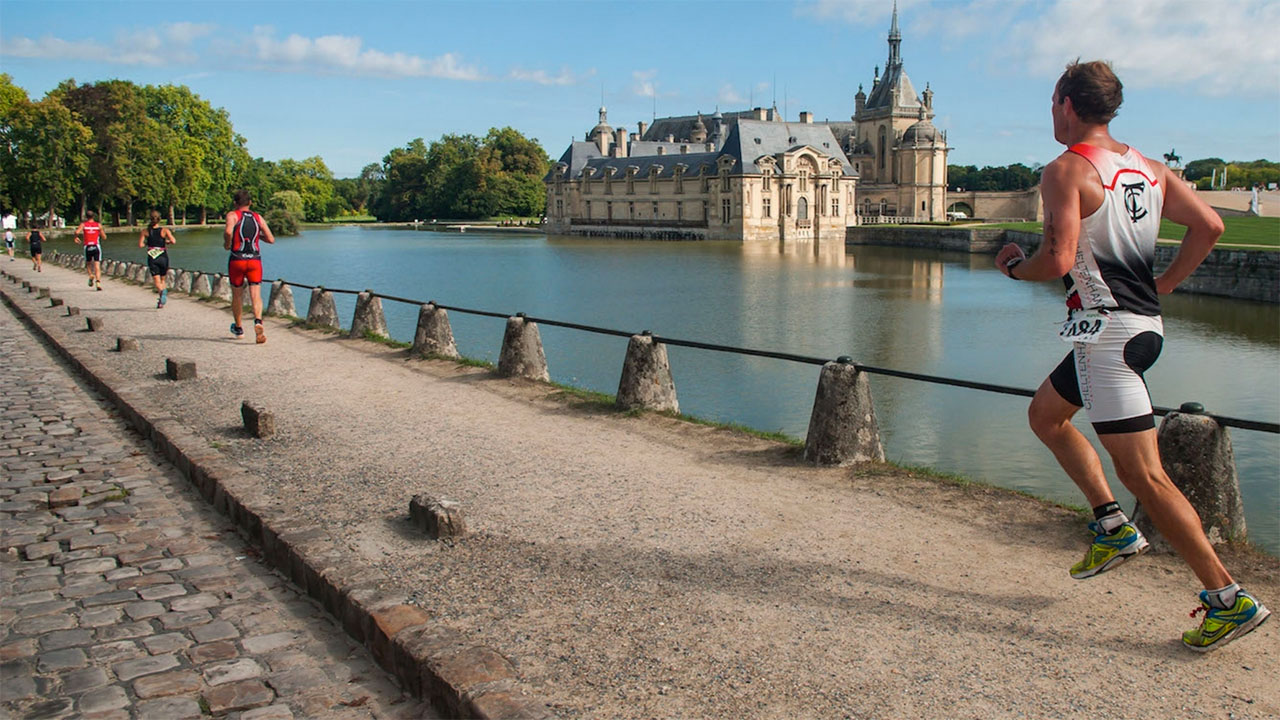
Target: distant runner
{"x":9,"y":240}
{"x":155,"y":239}
{"x":36,"y":240}
{"x":243,"y":231}
{"x":1102,"y":207}
{"x":93,"y":237}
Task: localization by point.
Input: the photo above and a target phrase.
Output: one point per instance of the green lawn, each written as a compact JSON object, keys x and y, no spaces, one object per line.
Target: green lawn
{"x":1240,"y":231}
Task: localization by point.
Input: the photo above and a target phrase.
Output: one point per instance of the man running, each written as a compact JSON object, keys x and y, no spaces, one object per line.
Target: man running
{"x":241,"y":235}
{"x":36,"y":239}
{"x":9,"y":240}
{"x":156,"y":238}
{"x":93,"y":237}
{"x":1102,"y":207}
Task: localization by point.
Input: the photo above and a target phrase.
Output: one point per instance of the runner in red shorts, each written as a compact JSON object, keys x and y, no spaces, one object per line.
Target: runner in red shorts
{"x":243,"y":231}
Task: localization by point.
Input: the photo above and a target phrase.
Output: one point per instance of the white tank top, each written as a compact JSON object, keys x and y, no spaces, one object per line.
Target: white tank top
{"x":1117,"y":247}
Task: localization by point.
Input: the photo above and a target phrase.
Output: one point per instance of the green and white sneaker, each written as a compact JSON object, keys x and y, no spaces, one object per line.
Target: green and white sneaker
{"x":1219,"y":626}
{"x":1109,"y":550}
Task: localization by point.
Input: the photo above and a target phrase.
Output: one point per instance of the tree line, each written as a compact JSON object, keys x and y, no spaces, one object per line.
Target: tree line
{"x":1238,"y":173}
{"x":1202,"y":172}
{"x":992,"y":178}
{"x":121,"y":148}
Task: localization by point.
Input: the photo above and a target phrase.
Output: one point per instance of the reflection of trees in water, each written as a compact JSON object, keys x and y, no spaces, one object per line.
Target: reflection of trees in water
{"x":1253,"y":321}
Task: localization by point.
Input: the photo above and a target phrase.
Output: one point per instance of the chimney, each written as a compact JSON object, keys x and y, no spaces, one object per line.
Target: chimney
{"x":806,"y":117}
{"x":662,"y":150}
{"x":620,"y":136}
{"x":684,"y":149}
{"x":759,"y":113}
{"x":643,"y":126}
{"x":671,"y":138}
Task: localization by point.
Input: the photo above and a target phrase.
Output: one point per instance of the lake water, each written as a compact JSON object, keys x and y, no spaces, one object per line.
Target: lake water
{"x":932,"y":312}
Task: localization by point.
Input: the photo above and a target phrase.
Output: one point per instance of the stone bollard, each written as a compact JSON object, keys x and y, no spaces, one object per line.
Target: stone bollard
{"x":115,"y":268}
{"x":258,"y":422}
{"x":646,"y":377}
{"x":125,"y":344}
{"x":434,"y":335}
{"x":1196,"y":453}
{"x":182,"y":283}
{"x":281,"y":302}
{"x":521,"y":354}
{"x":322,"y":311}
{"x":437,"y":517}
{"x":93,"y":323}
{"x":221,"y":287}
{"x":842,"y":428}
{"x":72,"y":310}
{"x":170,"y":278}
{"x":180,"y":368}
{"x":368,"y":316}
{"x":26,"y":285}
{"x":138,"y":274}
{"x":42,"y":293}
{"x":55,"y":302}
{"x":200,"y":285}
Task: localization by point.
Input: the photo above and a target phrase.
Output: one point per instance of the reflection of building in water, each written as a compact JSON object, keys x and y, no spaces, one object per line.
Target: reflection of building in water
{"x":914,"y":278}
{"x":751,"y":175}
{"x":832,"y":254}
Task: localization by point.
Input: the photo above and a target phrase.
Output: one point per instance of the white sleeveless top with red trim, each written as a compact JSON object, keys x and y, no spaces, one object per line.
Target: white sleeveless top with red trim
{"x":1117,"y":246}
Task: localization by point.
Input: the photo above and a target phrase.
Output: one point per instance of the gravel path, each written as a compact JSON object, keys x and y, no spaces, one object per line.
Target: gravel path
{"x":639,"y":567}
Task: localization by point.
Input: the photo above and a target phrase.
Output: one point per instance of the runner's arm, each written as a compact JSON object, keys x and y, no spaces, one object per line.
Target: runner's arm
{"x":1057,"y":251}
{"x":77,"y":235}
{"x":266,"y":232}
{"x":1204,"y":227}
{"x":228,"y":231}
{"x":142,"y":239}
{"x":169,"y":239}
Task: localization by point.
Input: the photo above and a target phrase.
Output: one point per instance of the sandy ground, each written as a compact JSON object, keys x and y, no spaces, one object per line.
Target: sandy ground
{"x":636,"y":567}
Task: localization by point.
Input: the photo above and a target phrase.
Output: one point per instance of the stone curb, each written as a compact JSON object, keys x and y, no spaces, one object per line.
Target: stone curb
{"x":434,"y":663}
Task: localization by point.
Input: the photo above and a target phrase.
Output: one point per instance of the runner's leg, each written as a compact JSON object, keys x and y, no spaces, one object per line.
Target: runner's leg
{"x":1050,"y":417}
{"x":1137,"y":459}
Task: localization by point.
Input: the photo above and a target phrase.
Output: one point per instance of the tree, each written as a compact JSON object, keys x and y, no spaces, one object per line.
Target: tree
{"x":311,"y":179}
{"x":115,"y":112}
{"x":284,"y":212}
{"x":45,"y":152}
{"x":10,"y":96}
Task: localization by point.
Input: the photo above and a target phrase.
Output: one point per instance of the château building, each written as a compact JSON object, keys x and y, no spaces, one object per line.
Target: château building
{"x":752,"y":175}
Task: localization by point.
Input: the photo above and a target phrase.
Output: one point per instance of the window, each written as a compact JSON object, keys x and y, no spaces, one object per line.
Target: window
{"x":559,"y":208}
{"x":726,"y":210}
{"x":882,"y":147}
{"x":655,"y":211}
{"x":835,"y":206}
{"x":631,"y":211}
{"x":631,"y":183}
{"x":559,"y":187}
{"x":804,"y":180}
{"x":921,"y":206}
{"x":802,"y":208}
{"x":704,"y":211}
{"x":768,"y":207}
{"x":724,"y":183}
{"x":588,"y":209}
{"x":608,"y":182}
{"x":679,"y":211}
{"x":679,"y":180}
{"x":609,"y":208}
{"x":768,"y":177}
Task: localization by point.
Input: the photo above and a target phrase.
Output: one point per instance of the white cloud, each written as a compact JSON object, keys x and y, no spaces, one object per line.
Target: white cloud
{"x":1213,"y":48}
{"x":645,"y":85}
{"x":347,"y":54}
{"x":729,"y":95}
{"x":541,"y":77}
{"x":169,"y":44}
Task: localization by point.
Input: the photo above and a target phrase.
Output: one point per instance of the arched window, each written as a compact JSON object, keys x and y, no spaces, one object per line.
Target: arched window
{"x":802,"y":209}
{"x":882,"y":147}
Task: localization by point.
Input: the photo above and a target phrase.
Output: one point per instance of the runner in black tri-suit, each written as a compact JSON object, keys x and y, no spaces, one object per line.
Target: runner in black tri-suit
{"x":36,"y":240}
{"x":156,"y":238}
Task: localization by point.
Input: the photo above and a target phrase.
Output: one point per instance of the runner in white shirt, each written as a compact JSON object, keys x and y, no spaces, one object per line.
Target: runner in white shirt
{"x":1102,"y":207}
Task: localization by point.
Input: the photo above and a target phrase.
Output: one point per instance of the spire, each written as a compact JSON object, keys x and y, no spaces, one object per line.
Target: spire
{"x":895,"y":40}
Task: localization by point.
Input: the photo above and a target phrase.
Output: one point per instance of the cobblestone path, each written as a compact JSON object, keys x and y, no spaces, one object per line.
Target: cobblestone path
{"x":122,"y":595}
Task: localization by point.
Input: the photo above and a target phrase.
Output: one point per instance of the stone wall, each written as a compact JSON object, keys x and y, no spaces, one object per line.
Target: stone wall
{"x":1238,"y":274}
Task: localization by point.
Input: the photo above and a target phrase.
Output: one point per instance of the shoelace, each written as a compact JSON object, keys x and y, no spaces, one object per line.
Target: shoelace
{"x":1199,"y":609}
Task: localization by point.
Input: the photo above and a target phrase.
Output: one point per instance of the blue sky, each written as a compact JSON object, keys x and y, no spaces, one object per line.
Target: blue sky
{"x":350,"y":80}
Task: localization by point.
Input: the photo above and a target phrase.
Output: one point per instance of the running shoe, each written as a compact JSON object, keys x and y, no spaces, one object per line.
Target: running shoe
{"x":1108,"y":551}
{"x":99,"y":286}
{"x":260,"y":333}
{"x":159,"y":304}
{"x":237,"y":330}
{"x":1219,"y":627}
{"x":90,"y":282}
{"x":164,"y":296}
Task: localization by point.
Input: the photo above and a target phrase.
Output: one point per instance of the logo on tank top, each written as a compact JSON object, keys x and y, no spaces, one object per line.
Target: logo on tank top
{"x":1133,"y":200}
